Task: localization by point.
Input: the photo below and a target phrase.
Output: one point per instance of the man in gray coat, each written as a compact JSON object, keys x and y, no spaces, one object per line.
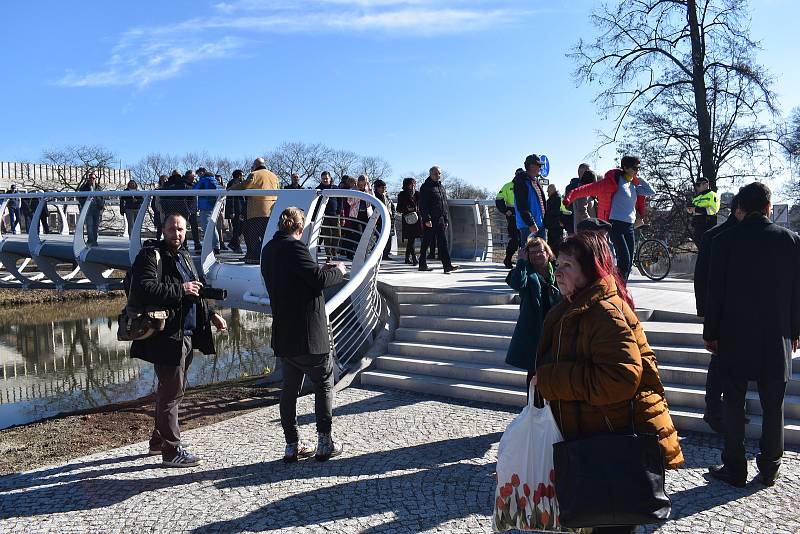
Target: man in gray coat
{"x":752,"y":322}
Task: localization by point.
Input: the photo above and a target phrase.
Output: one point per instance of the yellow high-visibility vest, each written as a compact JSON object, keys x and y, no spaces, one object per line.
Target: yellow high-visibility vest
{"x":507,"y":194}
{"x":708,"y":201}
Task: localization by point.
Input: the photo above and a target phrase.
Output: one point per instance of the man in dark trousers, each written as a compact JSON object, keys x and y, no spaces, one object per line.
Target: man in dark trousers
{"x":530,"y":200}
{"x":435,"y":218}
{"x":163,"y":276}
{"x":300,"y":331}
{"x":235,"y":211}
{"x":713,"y":415}
{"x":752,"y":322}
{"x":505,"y":205}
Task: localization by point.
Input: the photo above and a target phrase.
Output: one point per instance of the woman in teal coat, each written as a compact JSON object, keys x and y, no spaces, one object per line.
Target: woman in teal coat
{"x":533,"y":278}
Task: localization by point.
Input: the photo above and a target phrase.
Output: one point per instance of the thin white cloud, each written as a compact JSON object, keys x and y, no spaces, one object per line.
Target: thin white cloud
{"x":147,"y":55}
{"x":140,"y":64}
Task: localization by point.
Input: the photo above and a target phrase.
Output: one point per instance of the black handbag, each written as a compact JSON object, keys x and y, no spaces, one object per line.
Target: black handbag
{"x":610,"y":479}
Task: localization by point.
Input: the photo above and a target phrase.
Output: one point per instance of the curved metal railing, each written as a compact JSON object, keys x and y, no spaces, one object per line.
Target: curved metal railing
{"x":65,"y":260}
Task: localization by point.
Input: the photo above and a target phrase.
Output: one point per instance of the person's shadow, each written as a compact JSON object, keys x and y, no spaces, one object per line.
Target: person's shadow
{"x":441,"y":478}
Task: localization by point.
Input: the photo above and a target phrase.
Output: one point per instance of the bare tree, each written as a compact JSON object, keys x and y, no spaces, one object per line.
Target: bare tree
{"x":304,"y":159}
{"x":147,"y":170}
{"x":456,"y":188}
{"x":195,"y":160}
{"x":71,"y":164}
{"x":342,"y":162}
{"x":688,"y":67}
{"x":791,"y":143}
{"x":375,"y":168}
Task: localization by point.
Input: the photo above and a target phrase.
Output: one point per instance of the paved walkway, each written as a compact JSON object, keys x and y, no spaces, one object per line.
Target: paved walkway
{"x":413,"y":463}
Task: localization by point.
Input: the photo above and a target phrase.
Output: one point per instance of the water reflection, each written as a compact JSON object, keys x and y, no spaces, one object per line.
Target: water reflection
{"x":66,"y":357}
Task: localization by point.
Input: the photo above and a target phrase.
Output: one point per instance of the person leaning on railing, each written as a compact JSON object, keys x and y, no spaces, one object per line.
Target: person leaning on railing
{"x":129,"y":206}
{"x":330,"y":231}
{"x":258,"y":208}
{"x":235,"y":211}
{"x":300,"y":338}
{"x":95,"y":211}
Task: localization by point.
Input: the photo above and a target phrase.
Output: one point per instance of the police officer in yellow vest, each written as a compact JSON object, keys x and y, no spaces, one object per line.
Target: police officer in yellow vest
{"x":505,"y":204}
{"x":705,"y":206}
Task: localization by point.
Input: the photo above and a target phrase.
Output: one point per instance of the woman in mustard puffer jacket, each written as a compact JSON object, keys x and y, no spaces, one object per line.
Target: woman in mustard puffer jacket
{"x":593,"y":351}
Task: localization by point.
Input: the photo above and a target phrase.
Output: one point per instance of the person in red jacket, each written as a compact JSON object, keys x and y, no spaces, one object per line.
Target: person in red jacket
{"x":621,"y":194}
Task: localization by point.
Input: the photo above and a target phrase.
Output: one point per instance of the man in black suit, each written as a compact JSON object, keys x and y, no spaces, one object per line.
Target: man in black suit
{"x":434,"y":213}
{"x":714,"y":413}
{"x":752,"y":322}
{"x":300,"y":331}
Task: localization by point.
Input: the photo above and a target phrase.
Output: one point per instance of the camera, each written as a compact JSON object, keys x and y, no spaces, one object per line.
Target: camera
{"x":213,"y":293}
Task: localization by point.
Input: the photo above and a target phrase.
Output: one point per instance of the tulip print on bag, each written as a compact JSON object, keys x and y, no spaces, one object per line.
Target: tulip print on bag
{"x":525,"y":498}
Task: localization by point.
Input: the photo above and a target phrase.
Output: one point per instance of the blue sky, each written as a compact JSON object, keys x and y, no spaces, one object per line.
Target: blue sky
{"x":471,"y":85}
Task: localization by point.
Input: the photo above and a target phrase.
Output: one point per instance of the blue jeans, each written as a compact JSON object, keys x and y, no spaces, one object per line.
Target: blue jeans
{"x":92,"y":226}
{"x":624,"y":245}
{"x":14,"y":218}
{"x":205,"y":215}
{"x":525,"y":232}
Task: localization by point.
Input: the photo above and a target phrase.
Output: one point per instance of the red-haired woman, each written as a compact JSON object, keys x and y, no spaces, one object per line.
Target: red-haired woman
{"x":593,"y":352}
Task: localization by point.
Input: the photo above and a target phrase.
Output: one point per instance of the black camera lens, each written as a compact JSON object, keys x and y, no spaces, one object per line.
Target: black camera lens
{"x":213,"y":293}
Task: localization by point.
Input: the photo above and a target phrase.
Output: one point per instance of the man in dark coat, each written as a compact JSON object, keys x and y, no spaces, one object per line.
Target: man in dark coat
{"x":435,"y":219}
{"x":163,"y":277}
{"x":300,"y":331}
{"x":530,"y":200}
{"x":713,"y":415}
{"x":235,"y":211}
{"x":752,"y":322}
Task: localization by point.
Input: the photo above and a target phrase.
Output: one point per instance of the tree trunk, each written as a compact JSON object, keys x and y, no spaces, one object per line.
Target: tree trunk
{"x":700,"y":101}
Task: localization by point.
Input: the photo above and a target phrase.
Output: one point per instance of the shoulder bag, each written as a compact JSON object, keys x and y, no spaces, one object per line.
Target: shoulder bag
{"x":135,"y":323}
{"x":411,"y":218}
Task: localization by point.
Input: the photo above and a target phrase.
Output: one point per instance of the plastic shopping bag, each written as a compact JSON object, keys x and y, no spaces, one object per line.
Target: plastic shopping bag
{"x":525,"y":497}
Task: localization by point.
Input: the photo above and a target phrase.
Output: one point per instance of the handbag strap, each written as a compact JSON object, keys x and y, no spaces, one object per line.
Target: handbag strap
{"x":577,"y":404}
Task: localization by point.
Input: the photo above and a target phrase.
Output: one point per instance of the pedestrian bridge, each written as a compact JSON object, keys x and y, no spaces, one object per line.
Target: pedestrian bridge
{"x":62,"y":259}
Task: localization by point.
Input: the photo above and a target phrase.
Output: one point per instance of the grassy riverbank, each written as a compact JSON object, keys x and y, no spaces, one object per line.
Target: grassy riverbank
{"x":18,"y":297}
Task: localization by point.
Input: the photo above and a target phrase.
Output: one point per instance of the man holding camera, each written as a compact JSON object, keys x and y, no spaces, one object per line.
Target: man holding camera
{"x":295,"y":285}
{"x":163,"y":277}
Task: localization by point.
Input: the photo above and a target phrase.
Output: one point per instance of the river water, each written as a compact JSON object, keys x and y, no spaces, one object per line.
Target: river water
{"x":64,"y":357}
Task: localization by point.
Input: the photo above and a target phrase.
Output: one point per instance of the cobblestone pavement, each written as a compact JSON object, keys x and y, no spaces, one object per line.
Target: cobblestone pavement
{"x":412,"y":463}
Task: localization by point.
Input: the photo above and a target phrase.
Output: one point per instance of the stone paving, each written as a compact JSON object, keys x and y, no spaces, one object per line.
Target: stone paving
{"x":412,"y":463}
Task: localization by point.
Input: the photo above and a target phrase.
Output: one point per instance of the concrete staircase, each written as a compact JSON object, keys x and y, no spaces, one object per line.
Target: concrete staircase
{"x":453,"y":343}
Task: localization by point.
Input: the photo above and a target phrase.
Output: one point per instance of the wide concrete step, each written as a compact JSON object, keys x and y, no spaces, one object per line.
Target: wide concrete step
{"x":690,"y":419}
{"x":445,"y":352}
{"x":680,"y":334}
{"x":695,"y":375}
{"x":696,"y":356}
{"x":470,"y":298}
{"x":447,"y":387}
{"x":680,"y":355}
{"x":500,"y":312}
{"x":694,"y":397}
{"x":685,"y":418}
{"x":496,"y":375}
{"x":459,"y":324}
{"x":487,"y":341}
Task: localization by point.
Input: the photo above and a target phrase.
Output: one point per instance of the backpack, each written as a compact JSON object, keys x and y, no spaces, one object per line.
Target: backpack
{"x":135,"y":323}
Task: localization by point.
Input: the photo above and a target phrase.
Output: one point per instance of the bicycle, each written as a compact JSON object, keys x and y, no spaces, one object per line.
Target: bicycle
{"x":653,"y":257}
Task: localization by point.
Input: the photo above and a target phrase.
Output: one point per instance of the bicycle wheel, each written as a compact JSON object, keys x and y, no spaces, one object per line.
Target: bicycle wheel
{"x":654,"y":259}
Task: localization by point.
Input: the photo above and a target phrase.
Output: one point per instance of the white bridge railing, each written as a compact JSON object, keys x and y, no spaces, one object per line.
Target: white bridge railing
{"x":64,"y":260}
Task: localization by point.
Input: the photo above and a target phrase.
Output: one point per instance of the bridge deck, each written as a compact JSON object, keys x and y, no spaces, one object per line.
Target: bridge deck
{"x":670,"y":294}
